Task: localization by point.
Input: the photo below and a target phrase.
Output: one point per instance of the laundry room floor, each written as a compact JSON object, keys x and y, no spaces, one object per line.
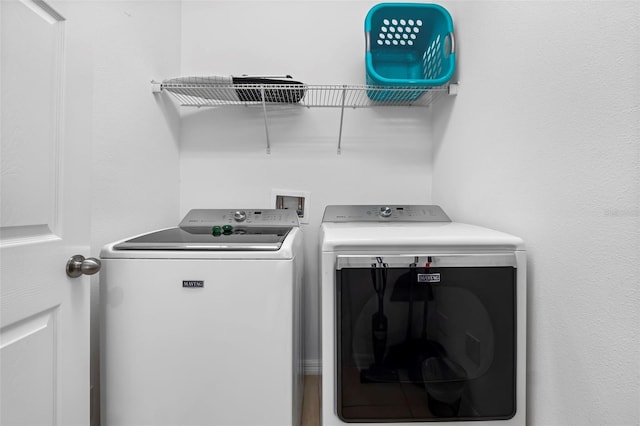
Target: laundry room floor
{"x":311,"y":401}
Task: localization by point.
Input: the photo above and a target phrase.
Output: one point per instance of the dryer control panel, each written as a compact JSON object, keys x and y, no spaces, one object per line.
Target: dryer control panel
{"x":385,"y":213}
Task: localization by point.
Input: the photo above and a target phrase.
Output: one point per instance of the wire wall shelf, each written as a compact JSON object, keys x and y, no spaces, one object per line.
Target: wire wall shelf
{"x":296,"y":95}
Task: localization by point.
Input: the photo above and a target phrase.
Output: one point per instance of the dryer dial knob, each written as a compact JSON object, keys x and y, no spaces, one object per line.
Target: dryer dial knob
{"x":240,"y":216}
{"x":385,"y":211}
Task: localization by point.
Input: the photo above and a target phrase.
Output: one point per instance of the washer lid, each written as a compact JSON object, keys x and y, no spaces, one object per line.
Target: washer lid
{"x":199,"y":238}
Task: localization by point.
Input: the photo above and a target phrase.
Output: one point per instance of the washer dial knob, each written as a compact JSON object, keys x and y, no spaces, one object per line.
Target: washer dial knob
{"x":240,"y":216}
{"x":385,"y":211}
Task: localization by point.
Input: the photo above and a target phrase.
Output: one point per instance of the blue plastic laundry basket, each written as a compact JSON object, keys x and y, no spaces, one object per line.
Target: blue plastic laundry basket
{"x":408,"y":45}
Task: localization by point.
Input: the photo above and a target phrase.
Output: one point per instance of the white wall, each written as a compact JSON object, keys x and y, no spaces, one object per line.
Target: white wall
{"x":386,"y":154}
{"x":542,"y":142}
{"x":134,"y":133}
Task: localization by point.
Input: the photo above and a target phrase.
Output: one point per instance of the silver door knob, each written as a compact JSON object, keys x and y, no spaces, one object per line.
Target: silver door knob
{"x":78,"y":265}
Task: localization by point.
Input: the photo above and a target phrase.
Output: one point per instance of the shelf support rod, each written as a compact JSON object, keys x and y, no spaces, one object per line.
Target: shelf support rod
{"x":344,"y":91}
{"x":266,"y":121}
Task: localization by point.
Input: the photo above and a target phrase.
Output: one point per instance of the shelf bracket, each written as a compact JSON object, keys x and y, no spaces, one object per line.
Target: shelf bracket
{"x":344,"y":92}
{"x":156,"y":87}
{"x":266,"y":121}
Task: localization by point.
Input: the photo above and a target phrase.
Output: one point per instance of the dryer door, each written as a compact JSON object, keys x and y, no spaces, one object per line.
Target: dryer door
{"x":426,"y":338}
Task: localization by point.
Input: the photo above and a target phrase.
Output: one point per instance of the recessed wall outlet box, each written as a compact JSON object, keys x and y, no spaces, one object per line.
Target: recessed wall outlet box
{"x":292,"y":200}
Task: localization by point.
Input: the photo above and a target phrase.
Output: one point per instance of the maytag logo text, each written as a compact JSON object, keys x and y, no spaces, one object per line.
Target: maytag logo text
{"x":192,"y":284}
{"x":429,"y":278}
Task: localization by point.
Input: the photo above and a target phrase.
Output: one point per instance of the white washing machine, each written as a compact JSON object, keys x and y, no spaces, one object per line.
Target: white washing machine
{"x":423,"y":319}
{"x":201,"y":323}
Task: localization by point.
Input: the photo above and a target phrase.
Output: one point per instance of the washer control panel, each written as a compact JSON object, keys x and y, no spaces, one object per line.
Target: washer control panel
{"x":246,"y":217}
{"x":385,"y":213}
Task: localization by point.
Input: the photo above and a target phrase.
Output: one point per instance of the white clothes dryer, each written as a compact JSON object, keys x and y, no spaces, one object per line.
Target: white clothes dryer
{"x":423,"y":319}
{"x":201,"y":323}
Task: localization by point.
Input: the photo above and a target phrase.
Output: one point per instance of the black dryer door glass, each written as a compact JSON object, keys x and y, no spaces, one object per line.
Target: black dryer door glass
{"x":415,"y":348}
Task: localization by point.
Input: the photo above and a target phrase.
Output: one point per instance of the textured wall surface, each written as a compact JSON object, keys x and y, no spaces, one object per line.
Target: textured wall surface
{"x":542,"y":142}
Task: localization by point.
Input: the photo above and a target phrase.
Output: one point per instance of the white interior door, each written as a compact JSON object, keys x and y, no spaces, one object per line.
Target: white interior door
{"x":44,"y":314}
